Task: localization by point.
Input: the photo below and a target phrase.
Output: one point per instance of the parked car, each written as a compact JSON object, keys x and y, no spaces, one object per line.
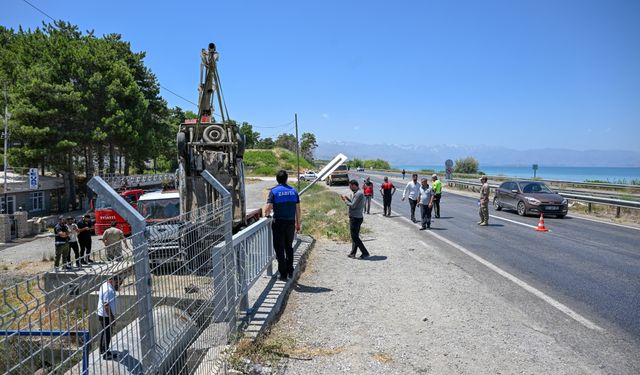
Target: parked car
{"x":530,"y":197}
{"x":308,"y":176}
{"x":360,"y":169}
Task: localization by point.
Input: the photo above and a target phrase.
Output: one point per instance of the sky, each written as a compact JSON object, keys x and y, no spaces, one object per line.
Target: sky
{"x":523,"y":74}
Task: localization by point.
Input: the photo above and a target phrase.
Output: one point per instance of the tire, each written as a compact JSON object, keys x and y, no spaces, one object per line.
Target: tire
{"x":522,"y":208}
{"x":496,"y":204}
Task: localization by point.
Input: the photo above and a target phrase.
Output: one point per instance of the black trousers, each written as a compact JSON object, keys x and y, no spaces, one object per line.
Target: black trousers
{"x":436,"y":204}
{"x":105,"y":334}
{"x":356,"y":243}
{"x":85,"y":249}
{"x":76,"y":251}
{"x":412,"y":205}
{"x":425,"y":212}
{"x":283,"y":235}
{"x":386,"y":203}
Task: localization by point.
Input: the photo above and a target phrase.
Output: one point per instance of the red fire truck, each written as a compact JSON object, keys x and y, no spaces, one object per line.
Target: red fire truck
{"x":105,"y":215}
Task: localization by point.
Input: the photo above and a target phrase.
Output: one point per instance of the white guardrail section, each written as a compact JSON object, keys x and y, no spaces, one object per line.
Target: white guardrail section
{"x":618,"y":203}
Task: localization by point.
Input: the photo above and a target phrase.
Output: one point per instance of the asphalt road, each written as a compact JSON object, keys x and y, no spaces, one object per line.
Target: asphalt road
{"x":591,"y":267}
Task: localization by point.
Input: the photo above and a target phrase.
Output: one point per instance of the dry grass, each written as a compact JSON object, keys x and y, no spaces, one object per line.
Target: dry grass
{"x":382,"y":357}
{"x":271,"y":349}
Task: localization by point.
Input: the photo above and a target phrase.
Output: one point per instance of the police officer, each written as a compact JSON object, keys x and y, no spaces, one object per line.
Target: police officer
{"x":484,"y":202}
{"x":284,"y":201}
{"x":436,"y":186}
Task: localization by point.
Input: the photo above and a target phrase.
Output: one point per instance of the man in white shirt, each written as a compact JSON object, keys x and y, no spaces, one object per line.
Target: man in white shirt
{"x":426,"y":202}
{"x":413,"y":188}
{"x":106,"y":311}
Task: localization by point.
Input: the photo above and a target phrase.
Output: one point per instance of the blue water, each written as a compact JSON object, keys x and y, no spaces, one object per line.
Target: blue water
{"x":610,"y":174}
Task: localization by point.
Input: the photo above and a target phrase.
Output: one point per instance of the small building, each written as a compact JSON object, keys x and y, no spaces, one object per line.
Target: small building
{"x":41,"y":201}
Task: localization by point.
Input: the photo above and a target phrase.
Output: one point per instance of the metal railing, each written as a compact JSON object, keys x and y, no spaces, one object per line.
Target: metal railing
{"x":181,"y":284}
{"x":142,"y":180}
{"x":589,"y":199}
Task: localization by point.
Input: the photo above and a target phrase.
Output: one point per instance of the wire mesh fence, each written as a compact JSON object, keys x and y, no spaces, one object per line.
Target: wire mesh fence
{"x":178,"y":287}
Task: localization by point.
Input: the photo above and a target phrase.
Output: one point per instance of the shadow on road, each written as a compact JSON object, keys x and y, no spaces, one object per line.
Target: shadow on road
{"x":301,"y":288}
{"x":375,"y":258}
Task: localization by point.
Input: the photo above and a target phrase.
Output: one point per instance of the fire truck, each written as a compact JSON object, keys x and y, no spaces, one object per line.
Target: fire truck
{"x":105,"y":215}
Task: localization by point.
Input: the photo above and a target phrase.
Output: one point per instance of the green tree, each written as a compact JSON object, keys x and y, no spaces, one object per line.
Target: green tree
{"x":307,"y":145}
{"x":266,"y":143}
{"x":467,"y":165}
{"x":251,"y":137}
{"x":287,"y":141}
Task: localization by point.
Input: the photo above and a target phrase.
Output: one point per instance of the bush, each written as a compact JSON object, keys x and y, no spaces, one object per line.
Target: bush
{"x":467,"y":165}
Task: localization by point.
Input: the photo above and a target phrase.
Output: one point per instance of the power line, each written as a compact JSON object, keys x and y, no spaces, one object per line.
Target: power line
{"x":273,"y":127}
{"x":178,"y":95}
{"x":39,"y":10}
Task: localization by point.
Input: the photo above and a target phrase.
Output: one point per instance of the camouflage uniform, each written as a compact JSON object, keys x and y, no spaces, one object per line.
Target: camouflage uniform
{"x":484,"y":204}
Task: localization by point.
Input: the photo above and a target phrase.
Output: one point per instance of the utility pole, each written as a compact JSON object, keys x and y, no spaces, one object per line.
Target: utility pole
{"x":297,"y":151}
{"x":6,"y":144}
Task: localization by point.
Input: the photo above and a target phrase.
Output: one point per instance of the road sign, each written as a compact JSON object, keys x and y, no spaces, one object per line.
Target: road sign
{"x":448,"y":163}
{"x":33,"y":178}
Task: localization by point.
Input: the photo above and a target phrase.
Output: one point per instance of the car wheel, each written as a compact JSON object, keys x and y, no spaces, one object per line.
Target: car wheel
{"x":522,"y":209}
{"x":496,"y":204}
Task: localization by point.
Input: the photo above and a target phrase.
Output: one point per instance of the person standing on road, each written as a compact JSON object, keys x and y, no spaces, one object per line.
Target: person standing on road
{"x":436,"y":186}
{"x":387,"y":190}
{"x":62,"y":244}
{"x":284,"y":201}
{"x":367,"y":189}
{"x":73,"y":240}
{"x":84,"y":239}
{"x":113,"y":238}
{"x":403,"y":173}
{"x":484,"y":202}
{"x":356,"y":204}
{"x":413,"y":187}
{"x":106,"y":311}
{"x":425,"y":198}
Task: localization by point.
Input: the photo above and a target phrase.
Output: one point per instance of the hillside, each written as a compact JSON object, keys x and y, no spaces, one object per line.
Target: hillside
{"x":268,"y":162}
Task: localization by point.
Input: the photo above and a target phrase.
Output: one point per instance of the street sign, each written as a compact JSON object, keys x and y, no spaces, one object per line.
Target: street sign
{"x":326,"y":171}
{"x":33,"y":178}
{"x":449,"y":169}
{"x":535,"y":168}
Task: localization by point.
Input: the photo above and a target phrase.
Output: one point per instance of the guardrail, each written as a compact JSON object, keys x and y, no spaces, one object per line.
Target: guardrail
{"x":117,"y":181}
{"x":178,"y":306}
{"x":589,"y":199}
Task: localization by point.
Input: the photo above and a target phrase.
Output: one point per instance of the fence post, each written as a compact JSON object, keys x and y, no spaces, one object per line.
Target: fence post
{"x":225,"y":293}
{"x":270,"y":245}
{"x":618,"y":212}
{"x":141,"y":267}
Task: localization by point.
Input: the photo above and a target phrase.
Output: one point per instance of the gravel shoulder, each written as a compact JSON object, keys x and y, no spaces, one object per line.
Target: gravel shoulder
{"x":415,"y":308}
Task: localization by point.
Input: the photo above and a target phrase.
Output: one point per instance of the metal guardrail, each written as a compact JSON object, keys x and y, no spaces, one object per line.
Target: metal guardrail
{"x":142,"y":180}
{"x":576,"y":197}
{"x":576,"y":183}
{"x":177,"y":308}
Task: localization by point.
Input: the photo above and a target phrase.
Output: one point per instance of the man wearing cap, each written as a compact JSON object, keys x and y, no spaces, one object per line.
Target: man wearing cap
{"x":284,"y":201}
{"x":62,"y":243}
{"x":484,"y":202}
{"x":436,"y":186}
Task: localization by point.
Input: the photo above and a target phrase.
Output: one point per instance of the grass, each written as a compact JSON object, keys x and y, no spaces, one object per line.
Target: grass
{"x":268,"y":162}
{"x":324,"y":214}
{"x":271,"y":349}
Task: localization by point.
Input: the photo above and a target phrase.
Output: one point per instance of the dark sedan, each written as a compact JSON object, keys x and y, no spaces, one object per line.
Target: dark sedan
{"x":530,"y":197}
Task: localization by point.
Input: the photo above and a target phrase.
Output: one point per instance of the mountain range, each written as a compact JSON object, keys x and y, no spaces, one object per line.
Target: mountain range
{"x":486,"y":155}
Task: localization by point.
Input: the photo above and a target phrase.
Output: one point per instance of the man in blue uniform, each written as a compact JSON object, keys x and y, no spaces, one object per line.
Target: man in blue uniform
{"x":285,"y":203}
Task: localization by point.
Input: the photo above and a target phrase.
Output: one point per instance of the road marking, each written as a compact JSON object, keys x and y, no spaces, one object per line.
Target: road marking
{"x":536,"y":292}
{"x":604,"y":222}
{"x":514,"y":221}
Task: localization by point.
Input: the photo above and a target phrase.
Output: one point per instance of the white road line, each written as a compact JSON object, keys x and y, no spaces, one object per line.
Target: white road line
{"x":550,"y":300}
{"x":513,"y":221}
{"x":604,"y":222}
